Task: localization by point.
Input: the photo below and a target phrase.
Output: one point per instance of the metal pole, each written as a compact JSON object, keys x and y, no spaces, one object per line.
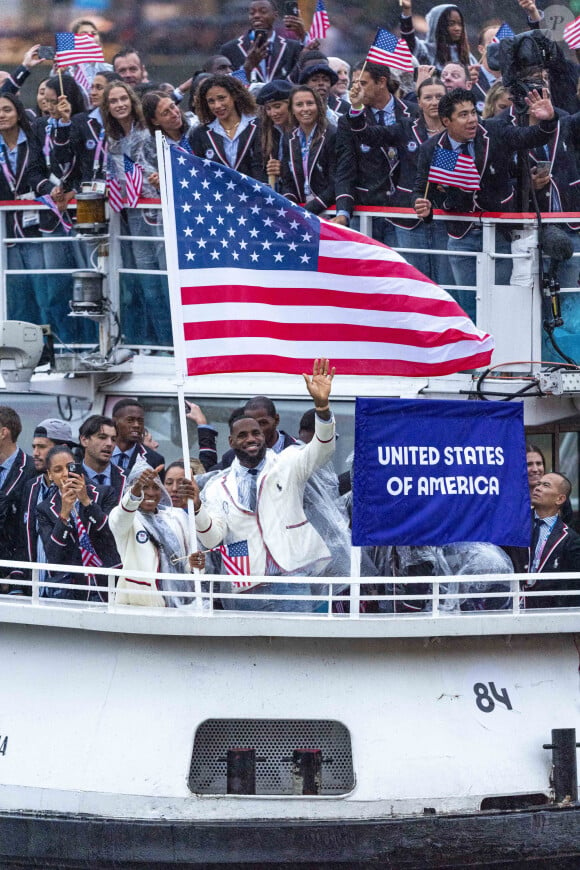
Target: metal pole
{"x":241,"y":771}
{"x":306,"y":771}
{"x":565,"y":769}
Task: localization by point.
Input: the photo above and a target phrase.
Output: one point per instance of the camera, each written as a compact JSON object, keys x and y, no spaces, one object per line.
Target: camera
{"x":75,"y":468}
{"x":260,"y":36}
{"x":46,"y":52}
{"x":291,"y":8}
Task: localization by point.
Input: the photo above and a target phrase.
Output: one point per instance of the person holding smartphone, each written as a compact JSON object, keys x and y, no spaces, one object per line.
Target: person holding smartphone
{"x":263,"y":53}
{"x":73,"y":523}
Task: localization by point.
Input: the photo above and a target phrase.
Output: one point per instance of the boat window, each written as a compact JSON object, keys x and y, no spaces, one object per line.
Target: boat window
{"x":162,"y":420}
{"x":34,"y":407}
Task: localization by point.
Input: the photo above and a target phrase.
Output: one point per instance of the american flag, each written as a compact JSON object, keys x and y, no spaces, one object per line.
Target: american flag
{"x":62,"y":216}
{"x":115,"y":193}
{"x":133,"y":181}
{"x":572,"y":33}
{"x":80,"y":77}
{"x":236,"y":560}
{"x":388,"y":50}
{"x":456,"y":170}
{"x":74,"y":48}
{"x":266,"y":286}
{"x":504,"y":32}
{"x":263,"y":285}
{"x":320,"y":22}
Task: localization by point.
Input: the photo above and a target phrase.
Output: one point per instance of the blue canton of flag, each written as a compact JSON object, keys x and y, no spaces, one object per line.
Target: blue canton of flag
{"x":504,"y":32}
{"x":225,"y":219}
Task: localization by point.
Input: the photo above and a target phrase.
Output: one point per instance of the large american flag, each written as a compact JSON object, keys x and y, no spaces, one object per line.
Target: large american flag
{"x":456,"y":170}
{"x":74,"y":48}
{"x":572,"y":33}
{"x":266,"y":286}
{"x":320,"y":22}
{"x":388,"y":50}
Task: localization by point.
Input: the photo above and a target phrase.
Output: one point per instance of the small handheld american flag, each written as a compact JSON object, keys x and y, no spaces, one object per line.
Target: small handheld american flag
{"x":320,"y":22}
{"x":504,"y":32}
{"x":74,"y":48}
{"x":388,"y":50}
{"x":572,"y":33}
{"x":236,"y":560}
{"x":456,"y":170}
{"x":133,"y":181}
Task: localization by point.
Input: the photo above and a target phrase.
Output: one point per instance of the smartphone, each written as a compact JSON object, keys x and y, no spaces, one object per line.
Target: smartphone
{"x":291,"y":8}
{"x":75,"y":468}
{"x":543,"y":167}
{"x":260,"y":36}
{"x":46,"y":52}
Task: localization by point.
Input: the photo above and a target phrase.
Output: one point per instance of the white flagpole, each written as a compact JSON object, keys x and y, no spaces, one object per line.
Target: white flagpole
{"x":174,"y":284}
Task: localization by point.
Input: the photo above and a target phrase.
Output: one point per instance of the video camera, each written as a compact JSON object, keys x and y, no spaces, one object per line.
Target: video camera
{"x":521,"y":58}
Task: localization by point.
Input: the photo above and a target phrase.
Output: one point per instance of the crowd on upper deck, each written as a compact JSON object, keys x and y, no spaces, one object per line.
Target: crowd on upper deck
{"x":273,"y":506}
{"x":280,"y":110}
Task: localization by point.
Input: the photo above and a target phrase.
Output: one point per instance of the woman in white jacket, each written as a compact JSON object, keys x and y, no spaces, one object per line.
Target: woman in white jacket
{"x":153,"y":537}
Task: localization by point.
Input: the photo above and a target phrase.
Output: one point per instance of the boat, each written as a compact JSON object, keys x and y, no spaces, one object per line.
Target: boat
{"x":197,"y":737}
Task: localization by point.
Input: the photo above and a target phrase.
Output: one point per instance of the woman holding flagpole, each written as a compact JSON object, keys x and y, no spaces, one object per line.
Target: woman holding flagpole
{"x":132,"y":167}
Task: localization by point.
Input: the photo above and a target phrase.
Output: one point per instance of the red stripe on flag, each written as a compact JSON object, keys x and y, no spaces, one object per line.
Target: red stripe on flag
{"x":314,"y":296}
{"x":321,"y":332}
{"x":286,"y":365}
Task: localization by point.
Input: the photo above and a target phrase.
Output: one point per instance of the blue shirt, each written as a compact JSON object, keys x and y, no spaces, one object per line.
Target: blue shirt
{"x":231,"y":145}
{"x":92,"y":475}
{"x":244,"y":481}
{"x":115,"y":456}
{"x":546,"y":526}
{"x":6,"y":466}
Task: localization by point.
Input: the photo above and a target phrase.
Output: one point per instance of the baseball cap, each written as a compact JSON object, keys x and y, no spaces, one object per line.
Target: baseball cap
{"x":56,"y":430}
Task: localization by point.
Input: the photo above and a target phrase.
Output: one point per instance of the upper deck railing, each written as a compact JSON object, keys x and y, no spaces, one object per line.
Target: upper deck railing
{"x":487,"y":300}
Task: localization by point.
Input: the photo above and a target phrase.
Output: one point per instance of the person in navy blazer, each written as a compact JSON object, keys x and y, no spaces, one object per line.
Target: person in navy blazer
{"x":315,"y":187}
{"x":561,"y":550}
{"x":16,"y":468}
{"x":229,"y":132}
{"x":263,"y":61}
{"x":74,"y":503}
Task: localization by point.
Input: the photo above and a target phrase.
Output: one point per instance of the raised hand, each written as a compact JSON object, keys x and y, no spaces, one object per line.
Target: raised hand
{"x":320,"y":384}
{"x":541,"y":107}
{"x":146,"y":476}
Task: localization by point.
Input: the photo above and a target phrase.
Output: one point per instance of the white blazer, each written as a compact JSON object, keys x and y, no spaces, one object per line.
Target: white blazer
{"x":279,"y":525}
{"x":137,"y":551}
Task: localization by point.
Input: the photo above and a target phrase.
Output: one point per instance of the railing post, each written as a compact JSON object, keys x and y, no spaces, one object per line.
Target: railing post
{"x":564,"y":764}
{"x":307,"y":771}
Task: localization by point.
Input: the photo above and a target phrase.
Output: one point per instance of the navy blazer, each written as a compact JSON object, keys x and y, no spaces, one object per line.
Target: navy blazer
{"x":282,"y":59}
{"x":63,"y":164}
{"x":366,"y":174}
{"x":561,"y":553}
{"x":61,"y":541}
{"x":10,"y":511}
{"x":85,"y":132}
{"x":22,"y":185}
{"x":495,"y":142}
{"x":321,"y":170}
{"x":209,"y":144}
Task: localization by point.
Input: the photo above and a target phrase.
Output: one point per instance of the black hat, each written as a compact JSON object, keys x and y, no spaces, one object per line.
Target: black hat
{"x":277,"y":89}
{"x":318,"y":68}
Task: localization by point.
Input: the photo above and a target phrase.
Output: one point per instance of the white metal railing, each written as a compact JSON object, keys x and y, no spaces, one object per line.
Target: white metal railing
{"x":333,"y":598}
{"x":484,"y":260}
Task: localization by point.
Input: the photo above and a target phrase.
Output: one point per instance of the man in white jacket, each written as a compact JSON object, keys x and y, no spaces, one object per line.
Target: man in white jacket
{"x":253,"y":511}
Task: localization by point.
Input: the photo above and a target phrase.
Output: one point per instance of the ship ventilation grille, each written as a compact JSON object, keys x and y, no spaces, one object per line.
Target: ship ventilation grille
{"x":274,"y":741}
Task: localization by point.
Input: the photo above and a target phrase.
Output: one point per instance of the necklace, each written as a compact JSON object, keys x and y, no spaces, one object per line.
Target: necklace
{"x":230,"y":130}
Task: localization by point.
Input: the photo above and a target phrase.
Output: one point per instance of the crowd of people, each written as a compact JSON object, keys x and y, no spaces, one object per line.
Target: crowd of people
{"x":281,"y":111}
{"x":271,"y":506}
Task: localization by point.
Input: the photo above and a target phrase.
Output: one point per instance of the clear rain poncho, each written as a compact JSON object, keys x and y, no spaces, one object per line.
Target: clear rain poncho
{"x":458,"y":559}
{"x":168,"y":534}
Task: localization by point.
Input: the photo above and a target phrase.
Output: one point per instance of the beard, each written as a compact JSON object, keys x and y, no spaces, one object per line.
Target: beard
{"x":250,"y":460}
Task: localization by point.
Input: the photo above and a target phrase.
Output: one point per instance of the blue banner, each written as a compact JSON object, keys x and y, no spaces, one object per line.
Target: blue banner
{"x":437,"y":472}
